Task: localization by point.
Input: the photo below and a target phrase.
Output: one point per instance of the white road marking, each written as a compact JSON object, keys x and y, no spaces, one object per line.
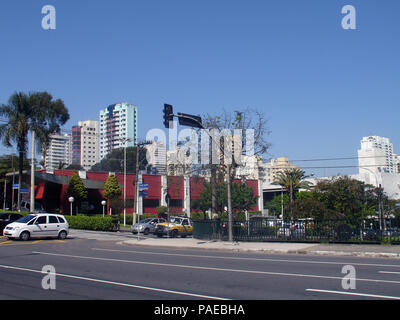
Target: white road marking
{"x":212,"y":268}
{"x":389,"y":272}
{"x":252,"y":259}
{"x":119,"y":283}
{"x":354,"y":294}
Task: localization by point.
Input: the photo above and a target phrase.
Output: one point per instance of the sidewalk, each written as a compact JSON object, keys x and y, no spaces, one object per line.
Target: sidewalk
{"x":126,"y":238}
{"x":375,"y":251}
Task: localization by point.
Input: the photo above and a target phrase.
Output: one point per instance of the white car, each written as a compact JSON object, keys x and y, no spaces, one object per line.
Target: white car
{"x":40,"y":225}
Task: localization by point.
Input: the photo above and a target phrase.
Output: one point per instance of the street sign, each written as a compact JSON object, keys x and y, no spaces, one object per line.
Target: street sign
{"x":143,"y":186}
{"x":24,"y":190}
{"x":15,"y":186}
{"x":143,"y":194}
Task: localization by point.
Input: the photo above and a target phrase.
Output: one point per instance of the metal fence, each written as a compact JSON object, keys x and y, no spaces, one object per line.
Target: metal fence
{"x":370,"y":231}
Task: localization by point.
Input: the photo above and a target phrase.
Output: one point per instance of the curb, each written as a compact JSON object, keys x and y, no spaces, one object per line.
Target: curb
{"x":272,"y":251}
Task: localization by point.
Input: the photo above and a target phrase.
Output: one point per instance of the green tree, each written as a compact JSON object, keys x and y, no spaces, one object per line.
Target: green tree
{"x":36,"y":112}
{"x":114,"y":161}
{"x":112,"y":191}
{"x":242,"y":197}
{"x":292,"y":180}
{"x":353,"y":199}
{"x":274,"y":206}
{"x":77,"y":189}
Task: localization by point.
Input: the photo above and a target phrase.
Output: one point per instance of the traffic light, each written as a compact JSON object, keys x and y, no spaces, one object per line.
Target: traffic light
{"x":190,"y":120}
{"x":168,"y":115}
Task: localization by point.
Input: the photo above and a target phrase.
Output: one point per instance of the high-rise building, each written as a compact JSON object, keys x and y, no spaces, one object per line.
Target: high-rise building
{"x":59,"y":151}
{"x":118,"y":122}
{"x":379,"y":165}
{"x":376,"y":155}
{"x":268,"y":171}
{"x":85,"y":143}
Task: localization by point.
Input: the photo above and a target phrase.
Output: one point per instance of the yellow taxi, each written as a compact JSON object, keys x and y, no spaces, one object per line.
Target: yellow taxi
{"x":177,"y":226}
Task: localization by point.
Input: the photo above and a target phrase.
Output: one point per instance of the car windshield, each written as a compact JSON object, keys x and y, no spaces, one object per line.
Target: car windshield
{"x":176,"y":220}
{"x":26,"y":219}
{"x":146,"y":220}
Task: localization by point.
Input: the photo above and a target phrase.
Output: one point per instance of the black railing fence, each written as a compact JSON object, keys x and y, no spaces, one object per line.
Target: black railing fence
{"x":302,"y":230}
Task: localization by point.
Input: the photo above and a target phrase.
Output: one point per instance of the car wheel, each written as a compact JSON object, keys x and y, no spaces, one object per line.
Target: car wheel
{"x":62,"y":235}
{"x":25,"y":236}
{"x":174,"y":233}
{"x":146,"y":231}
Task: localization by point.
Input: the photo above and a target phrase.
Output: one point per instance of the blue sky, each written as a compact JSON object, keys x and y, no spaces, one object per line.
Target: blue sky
{"x":321,"y":87}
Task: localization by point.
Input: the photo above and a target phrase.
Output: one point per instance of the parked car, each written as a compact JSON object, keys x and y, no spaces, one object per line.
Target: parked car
{"x":391,"y":232}
{"x":7,"y":218}
{"x":146,"y":226}
{"x":293,"y":230}
{"x":40,"y":225}
{"x":177,"y":226}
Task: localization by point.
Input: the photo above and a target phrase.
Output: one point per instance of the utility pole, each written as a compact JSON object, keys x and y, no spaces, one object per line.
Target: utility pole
{"x":136,"y":204}
{"x":124,"y":141}
{"x":196,"y":122}
{"x":32,"y":193}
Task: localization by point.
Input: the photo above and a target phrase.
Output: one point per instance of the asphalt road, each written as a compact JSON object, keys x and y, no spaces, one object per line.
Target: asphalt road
{"x":91,"y":269}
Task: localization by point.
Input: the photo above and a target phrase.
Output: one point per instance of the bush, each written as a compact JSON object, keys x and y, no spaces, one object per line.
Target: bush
{"x":162,"y":209}
{"x":96,"y":223}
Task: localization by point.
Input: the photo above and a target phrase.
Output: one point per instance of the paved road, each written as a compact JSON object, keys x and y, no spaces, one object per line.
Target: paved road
{"x":94,"y":269}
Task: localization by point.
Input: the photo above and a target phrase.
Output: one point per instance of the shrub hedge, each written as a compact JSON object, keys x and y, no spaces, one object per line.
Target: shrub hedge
{"x":96,"y":223}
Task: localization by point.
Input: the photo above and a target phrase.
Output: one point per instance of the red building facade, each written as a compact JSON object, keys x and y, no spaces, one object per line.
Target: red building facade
{"x":52,"y":190}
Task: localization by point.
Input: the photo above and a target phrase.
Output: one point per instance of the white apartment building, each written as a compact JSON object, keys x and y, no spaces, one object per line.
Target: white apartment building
{"x":379,"y":165}
{"x":377,"y":154}
{"x":59,"y":151}
{"x":85,"y":143}
{"x":118,"y":123}
{"x":157,"y":157}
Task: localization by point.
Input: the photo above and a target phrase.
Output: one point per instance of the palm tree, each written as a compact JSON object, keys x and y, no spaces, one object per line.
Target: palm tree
{"x":35,"y":112}
{"x":292,"y":180}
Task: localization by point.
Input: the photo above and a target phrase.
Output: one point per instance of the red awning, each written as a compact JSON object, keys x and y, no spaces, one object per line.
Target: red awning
{"x":39,"y":191}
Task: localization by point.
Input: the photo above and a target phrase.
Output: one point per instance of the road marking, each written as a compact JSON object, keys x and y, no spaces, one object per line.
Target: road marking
{"x":251,"y":259}
{"x":389,"y":272}
{"x":212,"y":268}
{"x":119,"y":283}
{"x":10,"y":243}
{"x":354,"y":294}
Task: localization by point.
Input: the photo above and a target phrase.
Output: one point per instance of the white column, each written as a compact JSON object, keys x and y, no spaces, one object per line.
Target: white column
{"x":186,"y":196}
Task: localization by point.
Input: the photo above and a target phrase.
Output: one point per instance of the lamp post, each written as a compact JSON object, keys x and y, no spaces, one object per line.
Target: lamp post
{"x":103,"y":203}
{"x":124,"y":141}
{"x":71,"y":200}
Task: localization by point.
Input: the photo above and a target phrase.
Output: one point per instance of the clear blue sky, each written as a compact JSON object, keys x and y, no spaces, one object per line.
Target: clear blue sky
{"x":322,"y":88}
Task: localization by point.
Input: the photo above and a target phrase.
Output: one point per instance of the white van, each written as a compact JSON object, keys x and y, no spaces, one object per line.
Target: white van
{"x":42,"y":225}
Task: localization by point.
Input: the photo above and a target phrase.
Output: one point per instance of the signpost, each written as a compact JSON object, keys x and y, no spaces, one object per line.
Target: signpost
{"x":143,"y":186}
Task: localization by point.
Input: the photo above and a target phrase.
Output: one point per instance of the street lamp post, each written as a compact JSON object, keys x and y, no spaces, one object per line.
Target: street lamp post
{"x":103,"y":203}
{"x":71,"y":200}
